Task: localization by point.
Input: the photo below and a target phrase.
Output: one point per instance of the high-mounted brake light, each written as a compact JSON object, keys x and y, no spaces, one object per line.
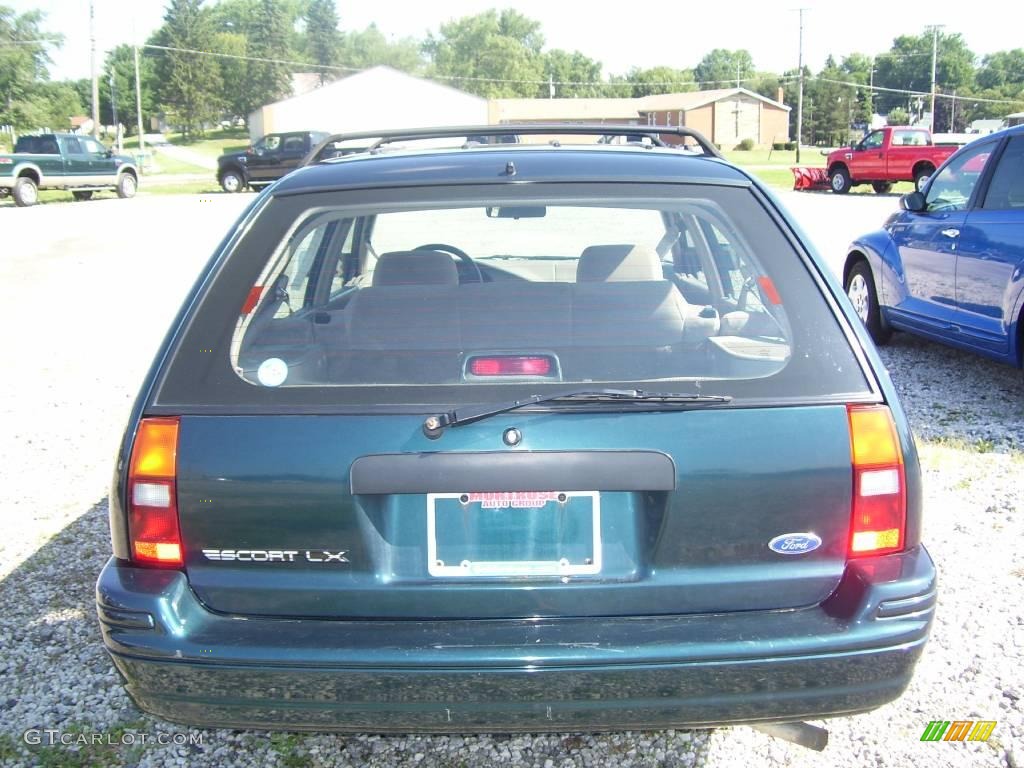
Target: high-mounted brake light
{"x":879,"y":484}
{"x":152,"y":494}
{"x":510,"y":365}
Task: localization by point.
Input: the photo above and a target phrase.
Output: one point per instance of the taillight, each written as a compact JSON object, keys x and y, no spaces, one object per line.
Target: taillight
{"x":511,"y":365}
{"x":152,"y":494}
{"x":879,"y":486}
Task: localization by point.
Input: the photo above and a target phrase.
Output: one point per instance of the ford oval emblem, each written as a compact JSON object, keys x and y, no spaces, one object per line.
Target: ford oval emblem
{"x":795,"y":543}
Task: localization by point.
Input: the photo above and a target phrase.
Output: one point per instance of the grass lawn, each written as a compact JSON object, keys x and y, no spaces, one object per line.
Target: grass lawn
{"x":780,"y":178}
{"x":215,"y":143}
{"x":184,"y":188}
{"x":164,"y":164}
{"x":770,"y":157}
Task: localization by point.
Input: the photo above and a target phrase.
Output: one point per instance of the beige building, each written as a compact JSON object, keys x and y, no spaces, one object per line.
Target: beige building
{"x":726,"y":116}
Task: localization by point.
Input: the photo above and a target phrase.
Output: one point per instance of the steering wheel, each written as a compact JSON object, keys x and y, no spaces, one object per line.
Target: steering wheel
{"x":457,"y":252}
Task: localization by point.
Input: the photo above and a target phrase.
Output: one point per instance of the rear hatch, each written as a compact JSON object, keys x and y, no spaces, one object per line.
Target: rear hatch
{"x":271,"y":525}
{"x":308,"y":486}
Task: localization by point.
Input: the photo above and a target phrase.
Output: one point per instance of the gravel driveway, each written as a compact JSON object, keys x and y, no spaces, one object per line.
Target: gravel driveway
{"x":87,"y":290}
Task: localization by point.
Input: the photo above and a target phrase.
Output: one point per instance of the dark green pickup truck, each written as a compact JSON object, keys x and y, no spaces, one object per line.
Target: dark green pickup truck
{"x":64,"y":161}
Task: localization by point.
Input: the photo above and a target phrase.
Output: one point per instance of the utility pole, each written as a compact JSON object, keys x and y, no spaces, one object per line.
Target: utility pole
{"x":800,"y":92}
{"x":113,"y":112}
{"x":138,"y":99}
{"x":871,"y":93}
{"x":952,"y":113}
{"x":95,"y":81}
{"x":935,"y":56}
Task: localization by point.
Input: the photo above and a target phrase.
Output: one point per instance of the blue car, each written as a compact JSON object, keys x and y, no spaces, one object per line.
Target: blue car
{"x":950,"y":265}
{"x":500,"y":437}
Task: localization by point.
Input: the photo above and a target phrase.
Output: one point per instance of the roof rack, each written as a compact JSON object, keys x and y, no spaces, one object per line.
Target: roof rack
{"x":381,"y":138}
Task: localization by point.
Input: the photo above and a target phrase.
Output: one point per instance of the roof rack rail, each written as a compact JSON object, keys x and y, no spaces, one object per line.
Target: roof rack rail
{"x":380,"y":138}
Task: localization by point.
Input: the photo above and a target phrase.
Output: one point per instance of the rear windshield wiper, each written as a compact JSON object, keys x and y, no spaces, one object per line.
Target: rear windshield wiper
{"x":433,"y":426}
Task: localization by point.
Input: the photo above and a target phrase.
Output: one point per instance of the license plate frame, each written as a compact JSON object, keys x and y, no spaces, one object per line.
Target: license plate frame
{"x":441,"y":562}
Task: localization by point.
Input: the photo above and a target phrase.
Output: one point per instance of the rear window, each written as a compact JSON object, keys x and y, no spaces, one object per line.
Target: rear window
{"x":37,"y":145}
{"x":353,"y":301}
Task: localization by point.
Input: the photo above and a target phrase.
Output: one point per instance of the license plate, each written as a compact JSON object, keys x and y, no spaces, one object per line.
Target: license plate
{"x":514,"y":533}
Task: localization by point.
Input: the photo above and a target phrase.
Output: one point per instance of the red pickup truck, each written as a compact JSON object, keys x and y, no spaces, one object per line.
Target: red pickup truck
{"x":890,"y":154}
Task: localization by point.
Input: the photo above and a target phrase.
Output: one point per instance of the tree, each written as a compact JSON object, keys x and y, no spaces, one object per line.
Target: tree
{"x":898,"y":116}
{"x":120,"y":63}
{"x":23,"y":63}
{"x":856,"y":68}
{"x":188,"y":83}
{"x":574,"y":75}
{"x":767,"y":84}
{"x":369,"y":48}
{"x":721,"y":68}
{"x":1002,"y":68}
{"x":234,"y":72}
{"x":908,"y":66}
{"x":834,"y":105}
{"x":49,"y":106}
{"x":323,"y":41}
{"x":492,"y":54}
{"x":268,"y":38}
{"x":645,"y":82}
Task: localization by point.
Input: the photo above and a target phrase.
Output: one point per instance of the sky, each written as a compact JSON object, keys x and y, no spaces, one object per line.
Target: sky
{"x":620,"y":35}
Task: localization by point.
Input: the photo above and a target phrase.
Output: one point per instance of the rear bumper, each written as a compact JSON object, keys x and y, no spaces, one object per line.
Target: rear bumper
{"x":184,"y":663}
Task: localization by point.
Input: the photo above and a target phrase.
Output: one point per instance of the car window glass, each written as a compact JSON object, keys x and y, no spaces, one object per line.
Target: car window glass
{"x":294,"y":144}
{"x":561,"y":234}
{"x":585,"y":285}
{"x":270,"y":143}
{"x":296,"y":274}
{"x":872,"y":140}
{"x":345,"y":268}
{"x":1006,"y":190}
{"x":93,"y":147}
{"x":909,"y":139}
{"x":73,"y":147}
{"x":952,"y":187}
{"x":687,"y":262}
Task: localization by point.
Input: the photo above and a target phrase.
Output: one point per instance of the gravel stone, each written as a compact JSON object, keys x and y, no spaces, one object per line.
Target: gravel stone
{"x":62,"y":415}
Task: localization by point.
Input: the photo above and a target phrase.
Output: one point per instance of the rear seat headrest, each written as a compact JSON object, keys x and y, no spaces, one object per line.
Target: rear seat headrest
{"x":602,"y":263}
{"x":415,"y":268}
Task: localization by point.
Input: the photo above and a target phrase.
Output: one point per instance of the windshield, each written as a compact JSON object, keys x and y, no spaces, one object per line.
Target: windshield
{"x":442,"y":301}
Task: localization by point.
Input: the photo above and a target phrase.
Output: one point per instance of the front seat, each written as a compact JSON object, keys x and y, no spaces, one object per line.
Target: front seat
{"x":625,"y":262}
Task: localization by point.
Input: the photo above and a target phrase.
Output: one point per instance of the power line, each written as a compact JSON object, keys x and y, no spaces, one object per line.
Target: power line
{"x":593,"y":83}
{"x":582,"y":83}
{"x":28,"y":42}
{"x":172,"y":49}
{"x":907,"y":92}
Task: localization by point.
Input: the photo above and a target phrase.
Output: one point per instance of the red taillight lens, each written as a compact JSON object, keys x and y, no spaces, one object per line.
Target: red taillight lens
{"x":879,"y":486}
{"x":152,"y":497}
{"x":510,"y":365}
